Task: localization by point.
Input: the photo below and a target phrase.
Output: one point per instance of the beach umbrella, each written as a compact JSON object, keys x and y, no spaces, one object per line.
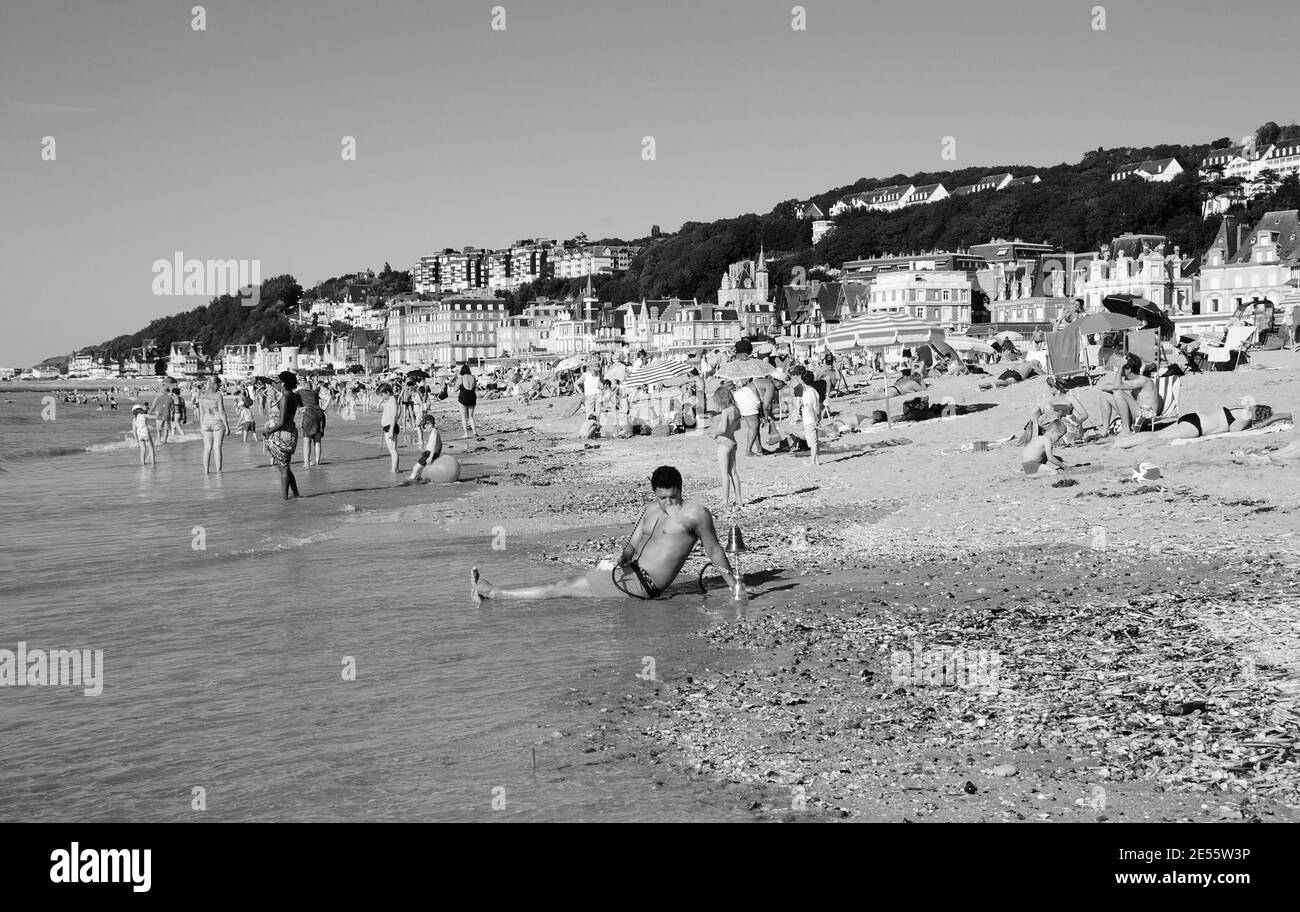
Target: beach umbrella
{"x":617,"y":371}
{"x":663,"y":370}
{"x":1009,"y":336}
{"x":966,"y":344}
{"x":571,"y":362}
{"x":880,"y":330}
{"x":417,"y":374}
{"x":745,"y":369}
{"x":1105,"y":321}
{"x":1139,"y":308}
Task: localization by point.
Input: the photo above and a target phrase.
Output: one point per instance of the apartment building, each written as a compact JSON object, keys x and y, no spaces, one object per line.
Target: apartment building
{"x":938,"y":296}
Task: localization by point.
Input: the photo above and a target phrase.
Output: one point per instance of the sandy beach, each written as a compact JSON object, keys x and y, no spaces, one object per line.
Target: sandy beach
{"x":1145,"y":634}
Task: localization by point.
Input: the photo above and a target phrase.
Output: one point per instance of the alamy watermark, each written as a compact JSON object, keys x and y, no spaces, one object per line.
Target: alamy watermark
{"x":209,"y":278}
{"x":946,"y":666}
{"x":53,"y":668}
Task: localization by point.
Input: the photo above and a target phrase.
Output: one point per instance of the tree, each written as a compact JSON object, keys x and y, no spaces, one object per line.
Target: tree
{"x":1222,"y":142}
{"x":1267,"y":134}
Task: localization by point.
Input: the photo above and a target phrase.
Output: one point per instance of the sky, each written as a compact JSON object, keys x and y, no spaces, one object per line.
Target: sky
{"x":226,"y":143}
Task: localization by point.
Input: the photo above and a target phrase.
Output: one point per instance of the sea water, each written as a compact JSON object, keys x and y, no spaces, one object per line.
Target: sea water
{"x":318,"y":659}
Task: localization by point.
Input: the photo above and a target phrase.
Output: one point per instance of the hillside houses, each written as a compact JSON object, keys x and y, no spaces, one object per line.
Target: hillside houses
{"x":901,"y":196}
{"x":1159,"y":170}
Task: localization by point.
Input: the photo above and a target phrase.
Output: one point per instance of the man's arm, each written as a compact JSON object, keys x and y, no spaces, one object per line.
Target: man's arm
{"x":713,"y":548}
{"x":633,"y":545}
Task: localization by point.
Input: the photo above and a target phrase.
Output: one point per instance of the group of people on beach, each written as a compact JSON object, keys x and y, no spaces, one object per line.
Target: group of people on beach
{"x":1130,"y":412}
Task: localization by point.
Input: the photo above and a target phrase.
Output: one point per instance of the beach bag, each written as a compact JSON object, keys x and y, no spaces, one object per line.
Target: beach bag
{"x":442,"y":394}
{"x":770,"y":435}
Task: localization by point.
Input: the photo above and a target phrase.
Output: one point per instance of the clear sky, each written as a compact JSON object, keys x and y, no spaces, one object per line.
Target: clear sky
{"x":225,"y":143}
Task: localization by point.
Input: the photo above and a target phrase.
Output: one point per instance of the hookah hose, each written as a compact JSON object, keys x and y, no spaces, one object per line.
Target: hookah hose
{"x":613,"y":573}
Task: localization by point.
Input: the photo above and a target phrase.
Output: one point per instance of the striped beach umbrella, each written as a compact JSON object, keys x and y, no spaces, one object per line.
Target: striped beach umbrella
{"x":880,"y":330}
{"x":662,"y":370}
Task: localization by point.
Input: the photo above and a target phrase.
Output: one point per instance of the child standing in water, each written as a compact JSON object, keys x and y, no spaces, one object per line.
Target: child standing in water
{"x":246,"y":424}
{"x":140,"y":430}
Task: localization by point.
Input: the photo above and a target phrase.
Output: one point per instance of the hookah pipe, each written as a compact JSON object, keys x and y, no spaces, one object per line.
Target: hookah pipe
{"x":734,"y":547}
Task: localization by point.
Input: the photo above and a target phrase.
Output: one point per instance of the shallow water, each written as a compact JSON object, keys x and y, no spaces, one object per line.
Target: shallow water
{"x":226,"y":617}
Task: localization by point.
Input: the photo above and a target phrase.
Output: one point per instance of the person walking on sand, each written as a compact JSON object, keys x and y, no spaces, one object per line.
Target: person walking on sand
{"x":467,"y":396}
{"x":213,"y":423}
{"x":811,"y":406}
{"x":653,"y":556}
{"x":140,"y":431}
{"x":725,"y":426}
{"x":281,"y":434}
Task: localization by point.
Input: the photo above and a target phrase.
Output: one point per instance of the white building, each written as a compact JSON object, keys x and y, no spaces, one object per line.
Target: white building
{"x":577,"y":262}
{"x":941,"y":297}
{"x":1137,"y":265}
{"x":1158,"y":170}
{"x":1256,"y":263}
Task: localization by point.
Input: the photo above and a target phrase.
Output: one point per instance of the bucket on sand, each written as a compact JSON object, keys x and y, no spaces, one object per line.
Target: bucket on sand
{"x":981,"y":446}
{"x":1147,"y":471}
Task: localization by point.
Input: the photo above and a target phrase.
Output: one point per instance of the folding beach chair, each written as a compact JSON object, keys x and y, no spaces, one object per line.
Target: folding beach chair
{"x":1228,"y":356}
{"x":1169,"y":387}
{"x":1063,"y":356}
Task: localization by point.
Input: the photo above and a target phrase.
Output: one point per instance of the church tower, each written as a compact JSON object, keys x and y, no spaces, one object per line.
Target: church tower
{"x":760,"y":275}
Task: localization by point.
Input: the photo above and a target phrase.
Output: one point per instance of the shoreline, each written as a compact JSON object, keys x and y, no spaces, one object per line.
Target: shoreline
{"x":784,"y":706}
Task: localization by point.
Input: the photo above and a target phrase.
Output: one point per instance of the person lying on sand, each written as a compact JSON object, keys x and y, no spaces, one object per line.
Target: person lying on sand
{"x":1037,"y":455}
{"x":1205,"y":424}
{"x":1014,"y":373}
{"x":651,"y":559}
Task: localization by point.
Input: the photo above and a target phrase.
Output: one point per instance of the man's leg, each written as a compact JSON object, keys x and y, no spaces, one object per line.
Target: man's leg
{"x":1127,"y":407}
{"x":569,"y":587}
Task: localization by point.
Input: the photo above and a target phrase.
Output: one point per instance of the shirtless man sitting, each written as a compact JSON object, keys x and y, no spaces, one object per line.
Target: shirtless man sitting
{"x":651,"y":560}
{"x":1130,"y":394}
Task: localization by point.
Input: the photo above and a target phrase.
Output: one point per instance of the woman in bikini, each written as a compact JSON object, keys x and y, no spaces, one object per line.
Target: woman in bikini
{"x":467,"y":396}
{"x":1205,"y":424}
{"x":724,"y":431}
{"x":280,"y":435}
{"x":213,"y":423}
